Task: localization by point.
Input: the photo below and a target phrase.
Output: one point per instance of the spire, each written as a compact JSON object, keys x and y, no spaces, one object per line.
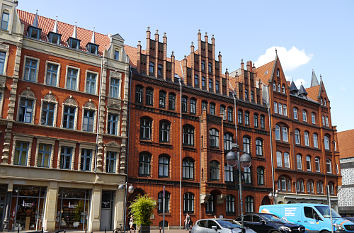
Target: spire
{"x":75,"y":31}
{"x":314,"y":80}
{"x":302,"y":91}
{"x":35,"y":21}
{"x":276,"y":53}
{"x":55,"y":28}
{"x":93,"y":41}
{"x":293,"y":88}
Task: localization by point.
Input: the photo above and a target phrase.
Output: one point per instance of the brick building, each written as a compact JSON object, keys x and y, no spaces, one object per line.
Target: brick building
{"x":64,"y":92}
{"x":346,"y":192}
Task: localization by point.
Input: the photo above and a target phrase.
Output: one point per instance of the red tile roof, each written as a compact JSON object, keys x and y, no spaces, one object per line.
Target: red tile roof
{"x":132,"y":53}
{"x":312,"y":92}
{"x":346,"y":143}
{"x":66,"y":30}
{"x":265,"y":71}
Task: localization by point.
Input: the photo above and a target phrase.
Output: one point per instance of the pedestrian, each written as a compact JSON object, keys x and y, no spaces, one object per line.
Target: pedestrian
{"x":187,"y":222}
{"x":131,"y":223}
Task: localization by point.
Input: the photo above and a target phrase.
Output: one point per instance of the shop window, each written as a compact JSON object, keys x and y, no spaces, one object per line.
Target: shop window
{"x":65,"y":157}
{"x":111,"y":158}
{"x":30,"y":72}
{"x":72,"y":79}
{"x":21,"y":153}
{"x":52,"y":74}
{"x":112,"y":124}
{"x":91,"y":83}
{"x":86,"y":158}
{"x":114,"y":88}
{"x":44,"y":154}
{"x":188,"y":168}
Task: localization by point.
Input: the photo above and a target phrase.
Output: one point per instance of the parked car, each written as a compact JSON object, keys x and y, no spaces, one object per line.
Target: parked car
{"x":350,"y":219}
{"x":270,"y":223}
{"x":219,"y":225}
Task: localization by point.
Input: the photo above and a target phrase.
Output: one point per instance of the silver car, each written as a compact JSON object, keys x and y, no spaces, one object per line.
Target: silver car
{"x":219,"y":225}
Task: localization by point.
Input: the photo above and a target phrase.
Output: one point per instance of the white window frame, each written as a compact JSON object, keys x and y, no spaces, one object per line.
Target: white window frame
{"x":67,"y":144}
{"x":113,"y":111}
{"x":313,"y":118}
{"x":97,"y":81}
{"x":5,"y":49}
{"x":24,"y":67}
{"x":58,"y":74}
{"x":33,"y":109}
{"x":22,"y":138}
{"x":88,"y":146}
{"x":55,"y":111}
{"x":62,"y":114}
{"x":94,"y":117}
{"x":114,"y":147}
{"x":77,"y":80}
{"x":116,"y":75}
{"x":49,"y":142}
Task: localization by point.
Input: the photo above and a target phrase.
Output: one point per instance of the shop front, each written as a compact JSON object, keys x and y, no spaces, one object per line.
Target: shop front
{"x":73,"y":209}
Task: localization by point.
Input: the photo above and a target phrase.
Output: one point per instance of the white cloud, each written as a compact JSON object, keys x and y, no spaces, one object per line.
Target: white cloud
{"x":290,"y":59}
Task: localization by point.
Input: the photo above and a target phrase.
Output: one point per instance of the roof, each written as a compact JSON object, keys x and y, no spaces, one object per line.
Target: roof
{"x":313,"y":92}
{"x":66,"y":30}
{"x":132,"y":53}
{"x":265,"y":71}
{"x":345,"y":143}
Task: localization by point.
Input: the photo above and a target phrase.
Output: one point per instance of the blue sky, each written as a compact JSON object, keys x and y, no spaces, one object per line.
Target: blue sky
{"x":316,"y":34}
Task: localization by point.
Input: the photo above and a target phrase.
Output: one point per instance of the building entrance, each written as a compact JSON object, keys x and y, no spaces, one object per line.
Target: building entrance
{"x":106,"y":210}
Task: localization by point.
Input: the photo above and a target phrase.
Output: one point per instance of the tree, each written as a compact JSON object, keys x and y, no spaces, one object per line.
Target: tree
{"x":142,"y":208}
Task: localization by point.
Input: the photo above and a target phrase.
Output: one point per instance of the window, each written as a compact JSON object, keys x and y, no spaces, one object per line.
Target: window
{"x":252,"y":96}
{"x":260,"y":175}
{"x":255,"y":120}
{"x":149,"y":96}
{"x":323,"y":121}
{"x":306,"y":138}
{"x":313,"y":117}
{"x":247,"y":118}
{"x":161,"y":205}
{"x":317,"y":164}
{"x":214,"y":138}
{"x":229,"y":114}
{"x":286,"y":160}
{"x":304,"y":115}
{"x":228,"y":141}
{"x":284,"y":184}
{"x":171,"y":101}
{"x":280,"y":109}
{"x":217,"y":86}
{"x":209,"y":205}
{"x":326,"y":142}
{"x":74,"y":43}
{"x":214,"y":170}
{"x":295,"y":113}
{"x":69,"y":117}
{"x":188,"y":135}
{"x":230,"y":204}
{"x":138,"y":94}
{"x":308,"y":163}
{"x":164,"y":165}
{"x":315,"y":140}
{"x":86,"y":157}
{"x":279,"y":159}
{"x":145,"y":128}
{"x":65,"y":157}
{"x":162,"y":99}
{"x":327,"y":123}
{"x":193,"y":104}
{"x":44,"y":154}
{"x":52,"y":74}
{"x":262,"y":122}
{"x":274,"y":86}
{"x":285,"y":133}
{"x":88,"y":120}
{"x":92,"y":48}
{"x":164,"y":131}
{"x":331,"y":188}
{"x":285,"y":110}
{"x":212,"y":109}
{"x":5,"y":20}
{"x":222,"y":112}
{"x":144,"y":164}
{"x":247,"y":175}
{"x":309,"y":186}
{"x":116,"y":55}
{"x":112,"y":127}
{"x":25,"y":110}
{"x":47,"y":117}
{"x":188,"y":168}
{"x":2,"y":63}
{"x":211,"y":85}
{"x":151,"y":68}
{"x":203,"y":83}
{"x":114,"y":88}
{"x":297,"y":137}
{"x":283,"y":88}
{"x":188,"y":203}
{"x":299,"y":161}
{"x":329,"y":166}
{"x":229,"y":173}
{"x":196,"y":81}
{"x":275,"y":107}
{"x":210,"y":67}
{"x":277,"y":132}
{"x":249,"y":204}
{"x":239,"y":116}
{"x":246,"y":145}
{"x":54,"y":38}
{"x":159,"y":70}
{"x":34,"y":32}
{"x":30,"y":72}
{"x":21,"y":153}
{"x":278,"y":87}
{"x":246,"y":95}
{"x":319,"y":187}
{"x":71,"y":79}
{"x":300,"y":186}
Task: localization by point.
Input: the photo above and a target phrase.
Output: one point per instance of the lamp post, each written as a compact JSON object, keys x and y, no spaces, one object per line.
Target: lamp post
{"x":127,"y":190}
{"x":235,"y":160}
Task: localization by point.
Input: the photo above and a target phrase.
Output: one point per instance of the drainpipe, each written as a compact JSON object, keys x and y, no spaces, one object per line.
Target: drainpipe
{"x":180,"y":150}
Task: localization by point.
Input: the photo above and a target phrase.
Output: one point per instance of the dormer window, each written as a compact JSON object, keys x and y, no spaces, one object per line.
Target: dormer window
{"x":34,"y":32}
{"x":73,"y":43}
{"x":54,"y":37}
{"x":92,"y":48}
{"x":116,"y":55}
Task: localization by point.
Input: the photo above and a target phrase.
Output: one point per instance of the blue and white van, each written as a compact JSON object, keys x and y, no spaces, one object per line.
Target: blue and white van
{"x":314,"y":217}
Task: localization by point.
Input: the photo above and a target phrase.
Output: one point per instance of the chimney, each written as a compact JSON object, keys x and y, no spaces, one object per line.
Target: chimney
{"x":206,"y":37}
{"x":157,"y":35}
{"x":199,"y":40}
{"x":192,"y":47}
{"x":138,"y":55}
{"x":242,"y":65}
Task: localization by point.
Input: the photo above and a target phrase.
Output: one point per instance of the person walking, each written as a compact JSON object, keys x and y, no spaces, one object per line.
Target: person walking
{"x":187,"y":222}
{"x":131,"y":224}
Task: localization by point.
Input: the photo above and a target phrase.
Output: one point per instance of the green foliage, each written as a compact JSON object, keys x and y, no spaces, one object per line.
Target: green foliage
{"x":141,"y":209}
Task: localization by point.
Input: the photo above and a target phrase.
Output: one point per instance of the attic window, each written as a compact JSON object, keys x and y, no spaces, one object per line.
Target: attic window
{"x":73,"y":43}
{"x":278,"y":73}
{"x":92,"y":48}
{"x":34,"y":32}
{"x":116,"y":55}
{"x":54,"y":37}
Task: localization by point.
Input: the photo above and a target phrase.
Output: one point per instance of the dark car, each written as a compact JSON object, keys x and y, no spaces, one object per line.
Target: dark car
{"x":270,"y":223}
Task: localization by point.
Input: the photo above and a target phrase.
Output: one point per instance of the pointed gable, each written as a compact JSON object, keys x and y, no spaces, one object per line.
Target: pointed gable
{"x":314,"y":80}
{"x":265,"y":71}
{"x":293,"y":88}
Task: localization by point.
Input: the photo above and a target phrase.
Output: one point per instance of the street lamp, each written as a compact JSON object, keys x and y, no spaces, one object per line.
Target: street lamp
{"x":233,"y":159}
{"x":127,"y":190}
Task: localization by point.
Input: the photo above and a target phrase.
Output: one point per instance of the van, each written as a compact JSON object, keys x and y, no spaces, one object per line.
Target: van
{"x":314,"y":217}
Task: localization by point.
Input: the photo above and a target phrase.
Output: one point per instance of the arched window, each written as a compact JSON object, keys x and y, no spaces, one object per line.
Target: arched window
{"x":222,"y":112}
{"x":138,"y":94}
{"x":315,"y":140}
{"x":247,"y":175}
{"x":249,"y":204}
{"x":313,"y":117}
{"x":149,"y":96}
{"x":262,"y":122}
{"x":214,"y":138}
{"x":304,"y":115}
{"x":188,"y":135}
{"x":331,"y":188}
{"x":144,"y":164}
{"x":247,"y":118}
{"x":279,"y":90}
{"x":193,"y":105}
{"x":297,"y":137}
{"x":306,"y":138}
{"x":299,"y":162}
{"x":260,"y":175}
{"x":279,"y":159}
{"x":286,"y":160}
{"x":145,"y":128}
{"x":319,"y":187}
{"x":277,"y":132}
{"x":300,"y":188}
{"x":255,"y":120}
{"x":188,"y":168}
{"x":230,"y":204}
{"x":69,"y":113}
{"x":326,"y":142}
{"x":164,"y":131}
{"x":229,"y":173}
{"x":329,"y":166}
{"x":209,"y":205}
{"x":204,"y":105}
{"x":164,"y":166}
{"x":259,"y":147}
{"x":239,"y":116}
{"x":310,"y":186}
{"x":295,"y":113}
{"x":229,"y":114}
{"x":274,"y":86}
{"x":283,"y":89}
{"x":285,"y":133}
{"x":284,"y":184}
{"x":161,"y":203}
{"x":188,"y":202}
{"x":162,"y":99}
{"x":214,"y":170}
{"x":171,"y":101}
{"x":212,"y":108}
{"x":308,"y":163}
{"x":246,"y":144}
{"x":317,"y":164}
{"x":275,"y":107}
{"x":228,"y":137}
